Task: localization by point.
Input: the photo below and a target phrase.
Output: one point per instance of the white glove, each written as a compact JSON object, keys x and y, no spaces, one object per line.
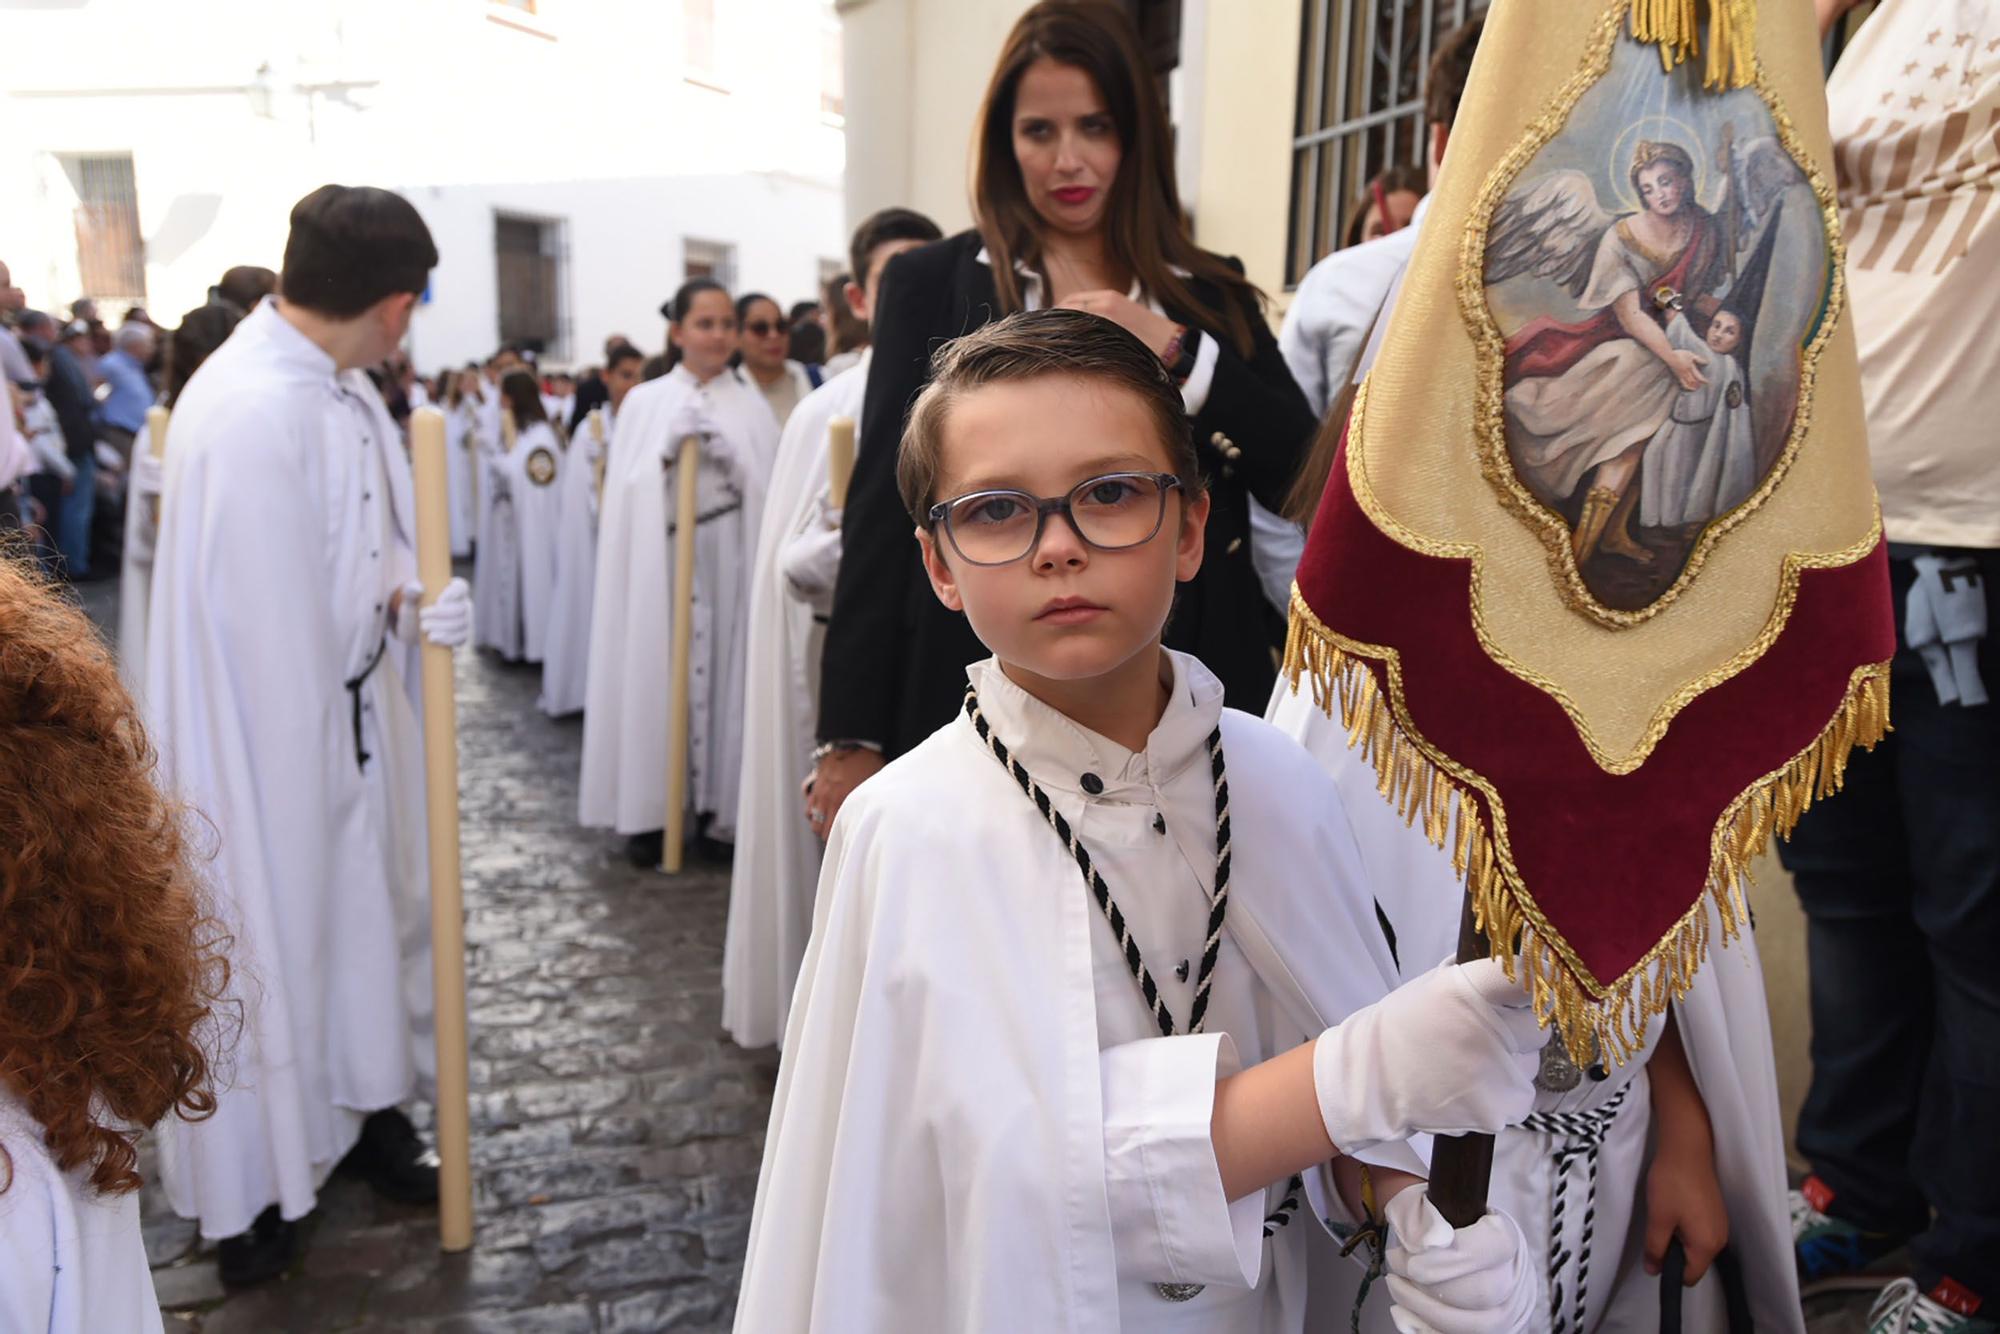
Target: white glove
{"x":1446,"y":1280}
{"x":446,"y":622}
{"x":1449,"y":1053}
{"x":693,"y":419}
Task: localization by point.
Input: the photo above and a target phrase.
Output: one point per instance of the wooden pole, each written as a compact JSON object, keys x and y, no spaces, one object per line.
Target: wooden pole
{"x":1462,"y":1165}
{"x":454,"y":1116}
{"x":839,"y":458}
{"x":687,"y":466}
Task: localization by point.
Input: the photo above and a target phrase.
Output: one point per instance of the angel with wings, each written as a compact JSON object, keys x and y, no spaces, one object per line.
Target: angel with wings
{"x":1584,"y":397}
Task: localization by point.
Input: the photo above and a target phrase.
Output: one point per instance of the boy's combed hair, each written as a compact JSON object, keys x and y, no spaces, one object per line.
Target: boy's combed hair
{"x":112,"y":971}
{"x":881,"y":227}
{"x":1024,"y":347}
{"x":351,"y":246}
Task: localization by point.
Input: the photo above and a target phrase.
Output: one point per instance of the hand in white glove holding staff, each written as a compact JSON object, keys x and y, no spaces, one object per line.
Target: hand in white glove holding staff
{"x":446,"y":622}
{"x":1469,"y":1280}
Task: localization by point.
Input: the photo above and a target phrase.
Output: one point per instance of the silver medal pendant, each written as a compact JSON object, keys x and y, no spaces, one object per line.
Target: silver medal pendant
{"x":1179,"y":1292}
{"x":1557,"y":1072}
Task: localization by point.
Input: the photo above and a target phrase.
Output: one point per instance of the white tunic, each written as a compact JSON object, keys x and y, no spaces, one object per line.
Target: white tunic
{"x":1703,"y":460}
{"x":777,"y":855}
{"x":976,"y":1124}
{"x":71,"y":1261}
{"x":565,"y":655}
{"x":135,"y":576}
{"x":1724,"y":1028}
{"x":288,"y":522}
{"x":515,"y":575}
{"x":624,"y":780}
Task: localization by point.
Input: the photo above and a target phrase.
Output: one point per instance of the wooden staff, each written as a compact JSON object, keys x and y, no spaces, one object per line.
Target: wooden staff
{"x":685,"y":516}
{"x":454,"y":1117}
{"x":839,"y":458}
{"x":1462,"y":1165}
{"x":156,"y":445}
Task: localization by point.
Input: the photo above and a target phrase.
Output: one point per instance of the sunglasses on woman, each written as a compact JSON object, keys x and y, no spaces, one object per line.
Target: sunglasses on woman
{"x":763,"y":328}
{"x":1111,"y":513}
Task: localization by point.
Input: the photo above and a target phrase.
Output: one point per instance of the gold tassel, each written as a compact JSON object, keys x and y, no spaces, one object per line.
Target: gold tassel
{"x":1675,"y":26}
{"x":1422,"y":792}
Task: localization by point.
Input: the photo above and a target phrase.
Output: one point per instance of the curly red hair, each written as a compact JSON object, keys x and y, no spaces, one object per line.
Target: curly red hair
{"x":110,"y":965}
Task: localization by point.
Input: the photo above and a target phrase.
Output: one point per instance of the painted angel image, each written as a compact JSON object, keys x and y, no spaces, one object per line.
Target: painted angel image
{"x":1639,"y":413}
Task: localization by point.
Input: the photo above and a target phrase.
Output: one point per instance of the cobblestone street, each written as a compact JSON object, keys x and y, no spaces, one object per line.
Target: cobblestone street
{"x":615,"y":1130}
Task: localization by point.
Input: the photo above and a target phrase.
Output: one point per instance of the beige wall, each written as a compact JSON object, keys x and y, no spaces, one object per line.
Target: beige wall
{"x":1242,"y":189}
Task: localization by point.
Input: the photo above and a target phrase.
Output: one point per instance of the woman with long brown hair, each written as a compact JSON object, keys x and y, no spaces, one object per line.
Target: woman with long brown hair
{"x":1076,"y":205}
{"x":110,"y":968}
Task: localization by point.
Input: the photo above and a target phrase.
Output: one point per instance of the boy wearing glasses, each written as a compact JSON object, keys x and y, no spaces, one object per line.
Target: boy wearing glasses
{"x":1045,"y":1069}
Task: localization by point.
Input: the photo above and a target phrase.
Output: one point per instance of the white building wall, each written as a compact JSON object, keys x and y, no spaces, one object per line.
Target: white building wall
{"x":584,"y":111}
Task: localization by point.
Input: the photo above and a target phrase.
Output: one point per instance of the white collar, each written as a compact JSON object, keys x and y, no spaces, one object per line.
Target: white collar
{"x":1058,"y":752}
{"x":292,"y":350}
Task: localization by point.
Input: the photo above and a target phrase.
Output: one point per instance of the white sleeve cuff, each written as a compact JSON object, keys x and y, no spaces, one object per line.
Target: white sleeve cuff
{"x":1194,"y":393}
{"x":1170,"y":1222}
{"x":811,"y":564}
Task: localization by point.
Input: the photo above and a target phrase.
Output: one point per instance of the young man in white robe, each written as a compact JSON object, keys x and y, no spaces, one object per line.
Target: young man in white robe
{"x":282,"y":694}
{"x":625,"y":723}
{"x":566,"y":656}
{"x":1043,"y":1070}
{"x":798,"y":557}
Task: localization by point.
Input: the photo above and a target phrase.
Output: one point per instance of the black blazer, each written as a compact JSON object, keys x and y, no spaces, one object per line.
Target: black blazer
{"x":893,"y":667}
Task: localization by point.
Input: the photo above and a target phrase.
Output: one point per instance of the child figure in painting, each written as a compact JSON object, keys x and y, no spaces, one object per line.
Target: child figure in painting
{"x":1702,"y":461}
{"x":1044,"y":1069}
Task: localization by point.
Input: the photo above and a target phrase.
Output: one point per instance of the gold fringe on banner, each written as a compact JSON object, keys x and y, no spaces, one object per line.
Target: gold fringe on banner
{"x":1675,"y":26}
{"x":1429,"y":789}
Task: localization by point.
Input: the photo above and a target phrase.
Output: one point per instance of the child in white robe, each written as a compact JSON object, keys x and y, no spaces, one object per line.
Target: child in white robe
{"x":458,"y":396}
{"x":1703,"y":460}
{"x":282,"y":691}
{"x":777,"y":856}
{"x":521,"y":522}
{"x":566,"y":655}
{"x":109,"y":967}
{"x":624,"y":780}
{"x":1043,"y":1070}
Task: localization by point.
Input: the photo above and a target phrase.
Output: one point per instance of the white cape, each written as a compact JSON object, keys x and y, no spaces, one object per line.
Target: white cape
{"x":624,"y":779}
{"x":278,"y":550}
{"x":936,"y":1152}
{"x":461,"y":455}
{"x":135,"y":576}
{"x":1724,"y":1028}
{"x":514,"y":579}
{"x":777,"y":855}
{"x":567,"y":652}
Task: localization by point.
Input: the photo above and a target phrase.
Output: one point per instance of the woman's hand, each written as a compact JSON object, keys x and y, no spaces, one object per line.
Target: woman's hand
{"x":1685,"y":367}
{"x":1142,"y":322}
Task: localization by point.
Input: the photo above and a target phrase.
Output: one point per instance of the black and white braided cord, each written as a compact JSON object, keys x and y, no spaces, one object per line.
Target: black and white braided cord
{"x":1580,"y":1135}
{"x":1121,"y":930}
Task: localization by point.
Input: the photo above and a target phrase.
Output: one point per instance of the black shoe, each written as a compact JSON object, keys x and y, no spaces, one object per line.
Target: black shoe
{"x":391,"y":1157}
{"x":259,"y":1255}
{"x":645,"y":850}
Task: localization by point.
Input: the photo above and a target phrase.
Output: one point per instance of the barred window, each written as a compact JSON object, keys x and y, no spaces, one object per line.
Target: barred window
{"x":528,"y":254}
{"x":714,"y":260}
{"x":1360,"y":108}
{"x":110,"y":253}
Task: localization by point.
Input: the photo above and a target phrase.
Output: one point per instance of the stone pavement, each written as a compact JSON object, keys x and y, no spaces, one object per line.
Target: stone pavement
{"x":616,"y":1131}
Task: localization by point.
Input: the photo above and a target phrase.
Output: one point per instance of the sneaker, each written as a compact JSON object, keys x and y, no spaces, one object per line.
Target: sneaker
{"x":1945,"y":1309}
{"x":259,"y":1255}
{"x":391,"y":1157}
{"x":1832,"y":1253}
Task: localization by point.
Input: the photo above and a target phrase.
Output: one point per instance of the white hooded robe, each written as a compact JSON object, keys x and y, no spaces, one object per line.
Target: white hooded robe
{"x":777,"y":855}
{"x":288,"y":523}
{"x":624,"y":778}
{"x":566,"y":654}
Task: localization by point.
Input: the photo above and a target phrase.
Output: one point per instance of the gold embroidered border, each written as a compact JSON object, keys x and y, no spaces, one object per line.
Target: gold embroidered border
{"x":1490,"y":346}
{"x":1789,"y":571}
{"x":1424,"y":783}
